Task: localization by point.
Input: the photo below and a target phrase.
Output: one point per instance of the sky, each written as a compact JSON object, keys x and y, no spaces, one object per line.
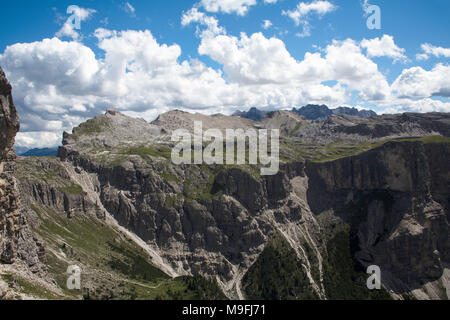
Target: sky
{"x":69,"y":61}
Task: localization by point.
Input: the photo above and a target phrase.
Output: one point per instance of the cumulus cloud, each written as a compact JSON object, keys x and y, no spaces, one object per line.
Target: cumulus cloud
{"x":384,"y":47}
{"x":251,"y":60}
{"x":62,"y":83}
{"x":259,"y":60}
{"x":418,"y":83}
{"x":430,"y":50}
{"x":301,"y":14}
{"x":38,"y":139}
{"x":78,"y":15}
{"x":427,"y":105}
{"x":196,"y":16}
{"x":415,"y":105}
{"x":240,"y":7}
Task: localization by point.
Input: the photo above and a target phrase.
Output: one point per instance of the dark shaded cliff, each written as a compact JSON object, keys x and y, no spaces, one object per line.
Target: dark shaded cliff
{"x":395,"y":199}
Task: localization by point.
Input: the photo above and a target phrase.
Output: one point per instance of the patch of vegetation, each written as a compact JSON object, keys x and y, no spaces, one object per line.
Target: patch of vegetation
{"x":342,"y":280}
{"x":199,"y":182}
{"x":33,"y":170}
{"x":154,"y":151}
{"x":277,"y":274}
{"x":168,"y":176}
{"x":113,"y":160}
{"x":134,"y":265}
{"x":320,"y":153}
{"x":40,"y":170}
{"x":428,"y":140}
{"x":172,"y":200}
{"x":92,"y":126}
{"x":296,"y":128}
{"x":198,"y":288}
{"x":32,"y":289}
{"x":73,"y":189}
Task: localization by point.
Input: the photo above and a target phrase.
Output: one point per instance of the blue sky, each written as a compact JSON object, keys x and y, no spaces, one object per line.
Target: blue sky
{"x":148,"y":57}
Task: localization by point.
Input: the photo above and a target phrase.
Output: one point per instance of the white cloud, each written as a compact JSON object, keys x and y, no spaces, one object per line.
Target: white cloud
{"x":58,"y":84}
{"x":418,"y":83}
{"x":240,"y":7}
{"x":251,"y":60}
{"x":68,"y":28}
{"x":267,"y":24}
{"x":128,"y":8}
{"x":211,"y":23}
{"x":303,"y":9}
{"x":38,"y":139}
{"x":384,"y":47}
{"x":257,"y":60}
{"x":430,"y":50}
{"x":301,"y":14}
{"x":270,"y":1}
{"x":351,"y":67}
{"x":428,"y":105}
{"x":411,"y":105}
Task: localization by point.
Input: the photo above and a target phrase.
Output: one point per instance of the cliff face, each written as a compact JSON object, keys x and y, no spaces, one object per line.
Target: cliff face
{"x":16,"y":240}
{"x":9,"y":209}
{"x":395,"y":199}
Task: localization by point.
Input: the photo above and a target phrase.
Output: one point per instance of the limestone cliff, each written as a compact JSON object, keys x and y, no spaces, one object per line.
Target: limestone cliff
{"x":9,"y":216}
{"x":16,"y":240}
{"x":395,"y":199}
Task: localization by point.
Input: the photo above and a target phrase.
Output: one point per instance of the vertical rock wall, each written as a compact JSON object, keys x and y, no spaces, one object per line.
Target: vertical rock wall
{"x":9,"y":209}
{"x":16,"y":238}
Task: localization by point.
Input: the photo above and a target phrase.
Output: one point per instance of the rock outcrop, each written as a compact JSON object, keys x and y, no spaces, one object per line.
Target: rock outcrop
{"x":9,"y":207}
{"x":395,"y":201}
{"x":16,"y":239}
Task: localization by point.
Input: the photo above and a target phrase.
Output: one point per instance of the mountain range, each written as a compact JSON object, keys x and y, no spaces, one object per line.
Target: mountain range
{"x":352,"y":191}
{"x":40,"y":152}
{"x":309,"y":112}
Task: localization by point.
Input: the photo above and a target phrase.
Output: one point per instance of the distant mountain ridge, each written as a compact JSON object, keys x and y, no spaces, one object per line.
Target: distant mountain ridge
{"x":322,"y":112}
{"x":253,"y":114}
{"x":309,"y":112}
{"x":37,"y":152}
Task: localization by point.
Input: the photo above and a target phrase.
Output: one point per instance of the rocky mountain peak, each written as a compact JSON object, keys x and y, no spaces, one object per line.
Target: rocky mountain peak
{"x":184,"y":120}
{"x":254,"y":114}
{"x":9,"y":120}
{"x":112,"y":111}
